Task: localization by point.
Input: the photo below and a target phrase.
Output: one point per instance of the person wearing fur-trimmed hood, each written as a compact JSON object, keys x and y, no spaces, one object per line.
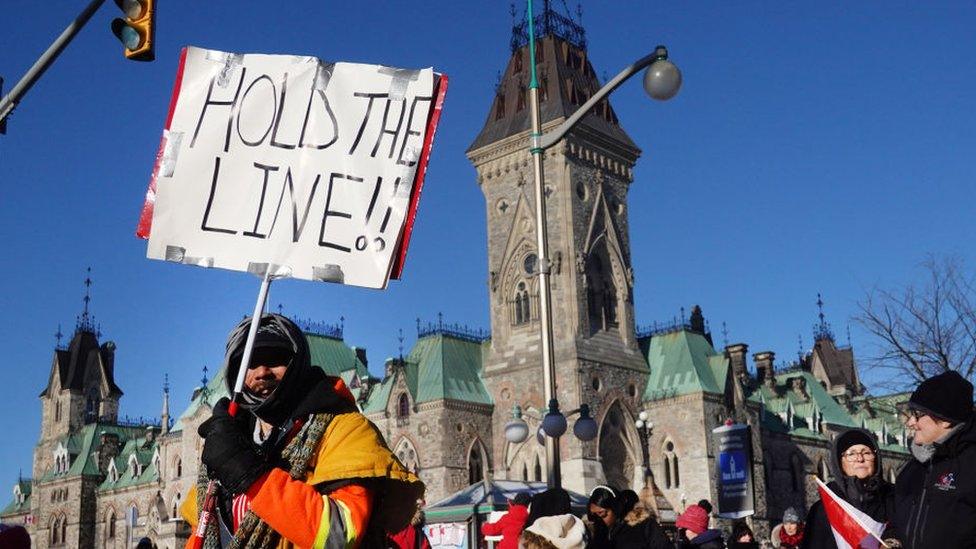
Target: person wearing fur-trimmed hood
{"x":636,"y":527}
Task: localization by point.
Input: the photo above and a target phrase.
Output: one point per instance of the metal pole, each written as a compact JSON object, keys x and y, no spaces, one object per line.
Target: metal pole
{"x":12,"y":99}
{"x":252,"y":332}
{"x":554,"y":478}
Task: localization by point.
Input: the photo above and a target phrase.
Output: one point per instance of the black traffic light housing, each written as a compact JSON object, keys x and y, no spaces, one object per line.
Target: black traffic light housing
{"x":137,"y":29}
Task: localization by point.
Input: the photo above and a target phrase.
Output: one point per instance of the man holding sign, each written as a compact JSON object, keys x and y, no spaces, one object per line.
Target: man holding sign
{"x":299,"y":466}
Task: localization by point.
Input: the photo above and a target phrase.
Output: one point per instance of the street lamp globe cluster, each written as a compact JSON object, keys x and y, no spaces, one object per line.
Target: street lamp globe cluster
{"x":553,"y":424}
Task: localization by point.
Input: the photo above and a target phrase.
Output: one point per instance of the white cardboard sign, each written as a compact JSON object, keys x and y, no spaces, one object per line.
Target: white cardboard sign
{"x":288,"y":163}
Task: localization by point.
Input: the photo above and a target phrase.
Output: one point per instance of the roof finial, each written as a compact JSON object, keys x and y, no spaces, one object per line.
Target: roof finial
{"x":57,"y":336}
{"x":799,"y":350}
{"x":85,"y":319}
{"x":849,"y":344}
{"x":88,"y":283}
{"x":400,"y":339}
{"x":203,"y":380}
{"x":725,"y":335}
{"x":821,"y":330}
{"x":281,"y":308}
{"x":166,"y":384}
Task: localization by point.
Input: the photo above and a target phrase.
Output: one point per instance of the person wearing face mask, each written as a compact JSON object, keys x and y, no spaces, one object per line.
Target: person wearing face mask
{"x":935,"y":493}
{"x":855,"y":466}
{"x":298,"y":465}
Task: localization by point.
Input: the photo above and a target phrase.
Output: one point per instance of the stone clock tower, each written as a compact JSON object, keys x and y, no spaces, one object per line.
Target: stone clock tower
{"x":588,"y":175}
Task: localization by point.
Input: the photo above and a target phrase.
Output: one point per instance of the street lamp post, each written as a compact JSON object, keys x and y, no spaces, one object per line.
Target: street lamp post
{"x":645,"y":428}
{"x":661,"y":82}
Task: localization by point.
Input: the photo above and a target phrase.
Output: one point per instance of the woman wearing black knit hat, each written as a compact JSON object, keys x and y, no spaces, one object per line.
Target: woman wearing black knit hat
{"x":855,"y":465}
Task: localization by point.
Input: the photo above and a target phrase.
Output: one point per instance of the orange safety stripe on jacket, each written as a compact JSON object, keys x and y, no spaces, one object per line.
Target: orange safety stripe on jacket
{"x":351,"y":448}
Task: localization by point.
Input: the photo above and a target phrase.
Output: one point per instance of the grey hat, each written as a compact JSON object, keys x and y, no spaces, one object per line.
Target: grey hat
{"x":791,"y":515}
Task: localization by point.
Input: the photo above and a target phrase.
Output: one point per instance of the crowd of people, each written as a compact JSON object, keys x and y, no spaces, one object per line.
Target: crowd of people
{"x":299,"y":465}
{"x":932,"y":504}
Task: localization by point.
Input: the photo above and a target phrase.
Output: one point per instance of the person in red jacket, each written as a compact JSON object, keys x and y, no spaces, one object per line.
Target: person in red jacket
{"x":412,"y":537}
{"x":511,"y":524}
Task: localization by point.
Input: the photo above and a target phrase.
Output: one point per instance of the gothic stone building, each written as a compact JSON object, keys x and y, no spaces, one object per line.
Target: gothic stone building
{"x":99,"y":482}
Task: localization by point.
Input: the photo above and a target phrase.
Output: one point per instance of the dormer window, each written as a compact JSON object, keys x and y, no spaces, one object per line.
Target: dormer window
{"x":113,"y":471}
{"x":134,"y":467}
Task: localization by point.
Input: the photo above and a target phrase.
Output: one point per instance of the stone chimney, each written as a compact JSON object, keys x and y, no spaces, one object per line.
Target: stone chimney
{"x":737,"y":359}
{"x":799,"y":386}
{"x":150,"y":434}
{"x":764,"y":367}
{"x":108,"y":448}
{"x":361,"y":355}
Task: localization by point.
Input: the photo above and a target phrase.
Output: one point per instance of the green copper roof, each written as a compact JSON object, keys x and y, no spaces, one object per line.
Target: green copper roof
{"x":682,"y":362}
{"x":880,"y":416}
{"x":143,"y":471}
{"x":83,"y":444}
{"x":438,"y":367}
{"x":15,"y":507}
{"x":787,"y":410}
{"x":334,"y":356}
{"x":447,"y":368}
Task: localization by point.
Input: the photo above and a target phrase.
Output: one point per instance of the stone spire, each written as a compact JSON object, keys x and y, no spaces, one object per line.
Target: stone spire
{"x":164,"y":417}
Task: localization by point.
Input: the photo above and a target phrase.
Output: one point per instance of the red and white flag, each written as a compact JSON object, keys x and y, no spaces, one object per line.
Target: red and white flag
{"x":853,"y":529}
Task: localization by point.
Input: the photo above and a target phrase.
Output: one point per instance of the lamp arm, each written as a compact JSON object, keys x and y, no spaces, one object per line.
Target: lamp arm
{"x":551,"y":138}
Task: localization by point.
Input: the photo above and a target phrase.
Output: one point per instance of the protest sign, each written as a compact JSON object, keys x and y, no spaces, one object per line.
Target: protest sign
{"x":292,"y":166}
{"x":733,"y":466}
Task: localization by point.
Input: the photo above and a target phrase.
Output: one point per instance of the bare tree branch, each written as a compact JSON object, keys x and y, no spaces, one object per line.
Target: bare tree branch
{"x":921,"y":330}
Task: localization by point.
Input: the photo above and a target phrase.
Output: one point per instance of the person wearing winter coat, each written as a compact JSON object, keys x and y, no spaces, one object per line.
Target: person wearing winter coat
{"x":412,"y":537}
{"x":693,"y":530}
{"x":742,"y":537}
{"x":554,"y":532}
{"x":935,"y":493}
{"x":636,"y":528}
{"x":789,"y":533}
{"x":298,"y":465}
{"x":855,"y":466}
{"x":551,"y":524}
{"x":510,"y":526}
{"x":600,"y":517}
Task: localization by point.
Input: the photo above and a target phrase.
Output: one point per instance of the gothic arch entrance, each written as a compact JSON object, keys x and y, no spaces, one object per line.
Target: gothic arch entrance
{"x":618,"y":447}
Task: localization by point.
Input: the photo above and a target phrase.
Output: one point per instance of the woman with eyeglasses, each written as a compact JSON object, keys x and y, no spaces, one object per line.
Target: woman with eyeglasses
{"x":855,"y":466}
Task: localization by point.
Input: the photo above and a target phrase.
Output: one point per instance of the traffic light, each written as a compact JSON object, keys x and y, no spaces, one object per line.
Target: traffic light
{"x":137,"y":29}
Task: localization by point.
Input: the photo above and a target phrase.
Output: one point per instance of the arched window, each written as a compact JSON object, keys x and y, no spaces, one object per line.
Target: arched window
{"x":476,"y":465}
{"x":64,"y":529}
{"x":525,"y":472}
{"x":538,"y":469}
{"x":57,"y":411}
{"x":179,"y":467}
{"x":110,"y":525}
{"x":672,"y":477}
{"x":403,"y":406}
{"x":667,"y":473}
{"x":522,"y":312}
{"x":175,"y":510}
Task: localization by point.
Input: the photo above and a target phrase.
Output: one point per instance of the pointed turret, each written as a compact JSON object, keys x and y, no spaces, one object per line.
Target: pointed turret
{"x":164,"y":416}
{"x":566,"y":80}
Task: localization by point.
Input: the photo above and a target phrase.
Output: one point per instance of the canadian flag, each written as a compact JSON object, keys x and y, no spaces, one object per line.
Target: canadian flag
{"x":852,"y":528}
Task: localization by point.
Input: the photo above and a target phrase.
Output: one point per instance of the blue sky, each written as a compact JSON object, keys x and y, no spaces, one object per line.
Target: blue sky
{"x":814,"y":148}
